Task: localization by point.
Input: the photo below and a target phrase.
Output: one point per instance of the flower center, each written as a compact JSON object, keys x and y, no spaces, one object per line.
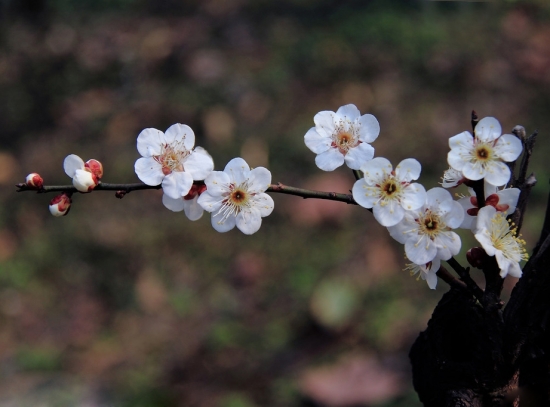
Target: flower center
{"x":504,"y":239}
{"x":237,"y":199}
{"x":431,"y":224}
{"x":483,"y":152}
{"x":171,"y":157}
{"x":343,"y":139}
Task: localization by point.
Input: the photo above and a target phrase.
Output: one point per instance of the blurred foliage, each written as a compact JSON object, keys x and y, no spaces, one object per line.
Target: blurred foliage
{"x":123,"y":303}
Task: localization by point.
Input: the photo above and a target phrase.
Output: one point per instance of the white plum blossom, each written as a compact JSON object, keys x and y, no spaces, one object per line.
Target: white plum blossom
{"x":188,"y":203}
{"x":84,"y":177}
{"x":503,"y":200}
{"x":342,"y":137}
{"x":499,"y":239}
{"x":483,"y":155}
{"x":169,"y":159}
{"x":235,"y":196}
{"x":389,"y":193}
{"x":426,"y":271}
{"x":452,"y":178}
{"x":427,"y":231}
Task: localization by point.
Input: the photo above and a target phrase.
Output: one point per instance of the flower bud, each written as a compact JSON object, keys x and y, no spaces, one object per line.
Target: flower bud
{"x":84,"y":180}
{"x":476,"y":257}
{"x":95,"y":167}
{"x":60,"y":205}
{"x":34,"y":181}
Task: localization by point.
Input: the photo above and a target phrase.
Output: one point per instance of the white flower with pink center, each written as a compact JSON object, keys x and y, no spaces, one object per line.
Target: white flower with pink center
{"x":236,"y":196}
{"x":389,"y":193}
{"x":341,"y":137}
{"x":169,"y":159}
{"x":484,"y":155}
{"x":427,"y":231}
{"x":503,"y":200}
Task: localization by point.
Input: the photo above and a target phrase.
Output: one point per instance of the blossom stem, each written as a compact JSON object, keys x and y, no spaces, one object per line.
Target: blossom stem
{"x":464,"y":274}
{"x":479,"y":190}
{"x":125,"y":188}
{"x":446,"y":276}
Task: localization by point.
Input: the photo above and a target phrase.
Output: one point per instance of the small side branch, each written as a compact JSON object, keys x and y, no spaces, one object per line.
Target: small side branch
{"x":464,"y":274}
{"x":306,"y":193}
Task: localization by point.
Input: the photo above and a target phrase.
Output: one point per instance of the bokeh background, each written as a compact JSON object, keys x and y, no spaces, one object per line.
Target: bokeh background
{"x":124,"y":303}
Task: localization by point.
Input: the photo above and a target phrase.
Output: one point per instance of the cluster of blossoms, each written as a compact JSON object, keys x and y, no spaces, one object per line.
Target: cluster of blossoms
{"x":422,"y":220}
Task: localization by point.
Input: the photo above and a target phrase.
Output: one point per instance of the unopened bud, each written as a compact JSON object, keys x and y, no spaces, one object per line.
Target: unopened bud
{"x":95,"y":167}
{"x":84,"y":180}
{"x":195,"y":191}
{"x":476,"y":257}
{"x":520,"y":133}
{"x":34,"y":181}
{"x":60,"y":205}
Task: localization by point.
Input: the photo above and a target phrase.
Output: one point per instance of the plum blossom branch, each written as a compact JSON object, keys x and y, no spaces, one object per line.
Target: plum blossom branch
{"x":138,"y":186}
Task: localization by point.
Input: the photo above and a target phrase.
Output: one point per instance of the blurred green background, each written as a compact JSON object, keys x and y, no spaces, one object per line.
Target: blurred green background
{"x":124,"y":303}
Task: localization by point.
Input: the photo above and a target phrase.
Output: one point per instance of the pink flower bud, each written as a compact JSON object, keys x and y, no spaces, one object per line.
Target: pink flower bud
{"x":95,"y":167}
{"x":34,"y":181}
{"x":84,"y":180}
{"x":60,"y":205}
{"x":476,"y":257}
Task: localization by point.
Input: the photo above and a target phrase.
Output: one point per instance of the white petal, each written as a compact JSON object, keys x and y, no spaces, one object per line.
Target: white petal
{"x":474,"y":170}
{"x":485,"y":240}
{"x":177,"y":184}
{"x":484,"y":218}
{"x":348,"y":112}
{"x":359,"y":155}
{"x":498,"y":173}
{"x":376,"y":170}
{"x":221,"y":225}
{"x":149,"y":171}
{"x":431,"y":278}
{"x":370,"y":128}
{"x":388,"y":215}
{"x":469,"y":221}
{"x":508,"y":147}
{"x":249,"y":222}
{"x":316,"y":142}
{"x":509,"y":197}
{"x":217,"y":183}
{"x":413,"y":196}
{"x":238,"y":170}
{"x":406,"y":229}
{"x":324,"y":123}
{"x":259,"y":179}
{"x":83,"y":181}
{"x":464,"y":141}
{"x":365,"y":195}
{"x":178,"y":132}
{"x":408,"y":170}
{"x":455,"y":216}
{"x":329,"y":160}
{"x":448,"y":245}
{"x":149,"y":142}
{"x":209,"y":202}
{"x":420,"y":252}
{"x":175,"y":205}
{"x":488,"y":129}
{"x":264,"y":203}
{"x":198,"y":164}
{"x":72,"y":163}
{"x":438,"y":197}
{"x":192,"y":209}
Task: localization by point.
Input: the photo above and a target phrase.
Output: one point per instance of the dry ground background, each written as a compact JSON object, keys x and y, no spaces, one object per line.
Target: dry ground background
{"x":124,"y":303}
